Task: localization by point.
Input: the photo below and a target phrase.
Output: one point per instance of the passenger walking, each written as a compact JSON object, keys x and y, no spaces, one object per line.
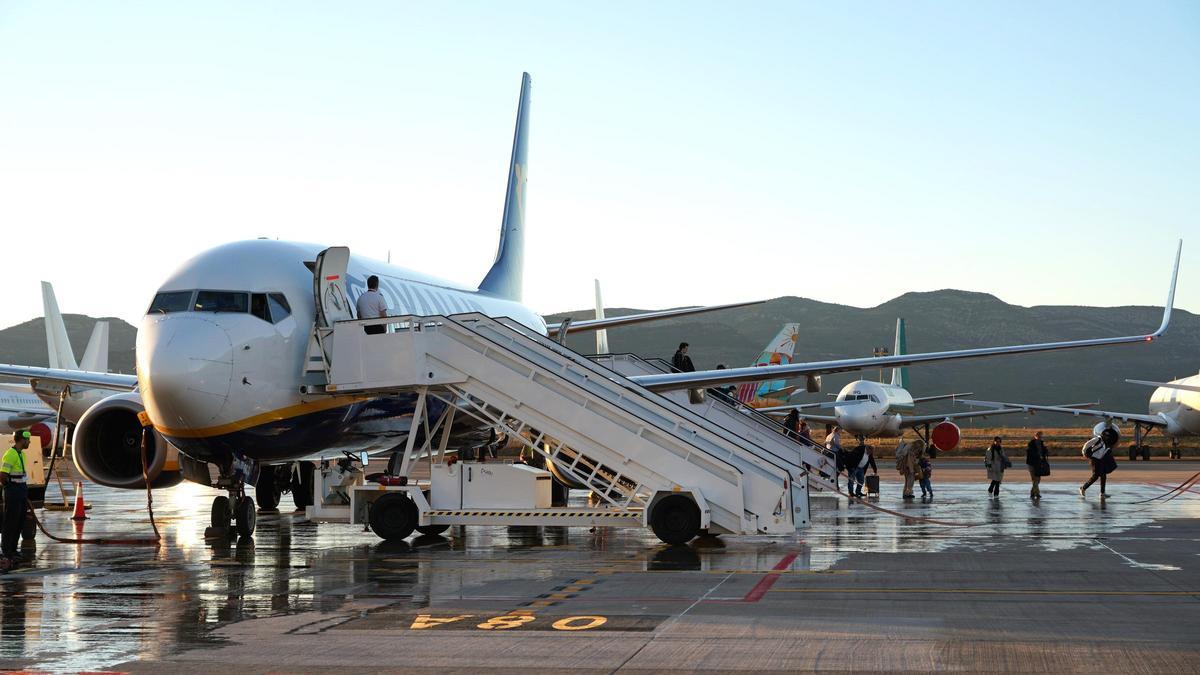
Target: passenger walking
{"x":908,"y":463}
{"x":996,"y":462}
{"x":1037,"y":460}
{"x":16,"y":495}
{"x":804,"y":431}
{"x":858,"y":460}
{"x":833,"y":443}
{"x":372,"y":305}
{"x":1100,"y":451}
{"x":926,"y":468}
{"x":792,"y":421}
{"x":681,"y":361}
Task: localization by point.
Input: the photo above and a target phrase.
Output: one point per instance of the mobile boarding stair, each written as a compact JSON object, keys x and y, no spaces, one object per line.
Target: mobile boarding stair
{"x":647,"y":459}
{"x":808,"y":459}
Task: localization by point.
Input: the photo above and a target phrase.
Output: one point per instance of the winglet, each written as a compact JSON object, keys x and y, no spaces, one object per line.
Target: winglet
{"x":1166,"y":320}
{"x":58,"y":346}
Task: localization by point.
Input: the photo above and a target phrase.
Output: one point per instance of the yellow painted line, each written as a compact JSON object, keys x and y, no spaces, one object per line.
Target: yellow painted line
{"x":559,"y":596}
{"x":981,"y":591}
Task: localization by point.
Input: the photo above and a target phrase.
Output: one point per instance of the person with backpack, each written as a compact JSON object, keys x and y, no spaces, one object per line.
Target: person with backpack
{"x":908,"y":463}
{"x":1038,"y":462}
{"x":858,"y":461}
{"x":1099,"y":450}
{"x":996,"y":462}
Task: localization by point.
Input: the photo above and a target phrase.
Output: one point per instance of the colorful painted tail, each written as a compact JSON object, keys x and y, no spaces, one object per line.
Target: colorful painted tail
{"x":780,"y":350}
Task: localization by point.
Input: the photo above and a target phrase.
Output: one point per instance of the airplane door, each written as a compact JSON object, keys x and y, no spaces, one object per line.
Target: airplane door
{"x":329,"y":286}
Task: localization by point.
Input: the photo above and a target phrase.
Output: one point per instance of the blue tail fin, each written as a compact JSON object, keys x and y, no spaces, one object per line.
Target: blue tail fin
{"x":506,"y":277}
{"x":900,"y":375}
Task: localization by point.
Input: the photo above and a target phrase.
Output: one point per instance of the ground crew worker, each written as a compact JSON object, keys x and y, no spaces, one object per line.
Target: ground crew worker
{"x":16,"y":495}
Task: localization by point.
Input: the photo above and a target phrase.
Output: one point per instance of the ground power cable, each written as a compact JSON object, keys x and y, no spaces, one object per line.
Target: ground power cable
{"x":156,"y":540}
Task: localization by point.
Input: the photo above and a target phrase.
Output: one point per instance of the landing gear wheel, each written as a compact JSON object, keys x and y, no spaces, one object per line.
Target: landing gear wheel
{"x":675,"y":519}
{"x":431,"y":530}
{"x":393,"y":516}
{"x":221,"y":512}
{"x":244,"y":516}
{"x":266,"y":491}
{"x":302,"y":485}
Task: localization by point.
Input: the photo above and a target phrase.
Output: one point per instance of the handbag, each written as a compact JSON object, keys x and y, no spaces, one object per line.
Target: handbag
{"x":1043,"y":468}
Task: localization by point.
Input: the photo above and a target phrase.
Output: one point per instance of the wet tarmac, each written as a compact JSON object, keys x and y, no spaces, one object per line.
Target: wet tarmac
{"x":1062,"y":584}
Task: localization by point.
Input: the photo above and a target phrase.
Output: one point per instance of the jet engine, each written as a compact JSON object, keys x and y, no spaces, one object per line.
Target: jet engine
{"x":812,"y":384}
{"x":45,"y":432}
{"x":108,"y":446}
{"x":1114,"y":435}
{"x":945,"y":436}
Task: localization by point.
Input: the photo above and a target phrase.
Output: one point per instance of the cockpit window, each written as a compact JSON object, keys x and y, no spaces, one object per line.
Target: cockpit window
{"x":258,"y":306}
{"x":171,"y":301}
{"x":280,"y":309}
{"x":222,"y":301}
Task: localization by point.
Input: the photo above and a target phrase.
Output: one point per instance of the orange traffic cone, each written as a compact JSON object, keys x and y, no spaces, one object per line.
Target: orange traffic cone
{"x":79,"y":507}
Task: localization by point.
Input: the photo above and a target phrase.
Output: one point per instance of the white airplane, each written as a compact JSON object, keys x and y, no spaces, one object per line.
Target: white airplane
{"x":868,"y":409}
{"x":223,"y":351}
{"x":1174,"y":409}
{"x":24,"y":406}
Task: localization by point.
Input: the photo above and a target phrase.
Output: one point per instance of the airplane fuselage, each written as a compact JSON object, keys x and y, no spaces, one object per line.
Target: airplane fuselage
{"x":878,"y":410}
{"x":220,"y":358}
{"x":1179,"y":408}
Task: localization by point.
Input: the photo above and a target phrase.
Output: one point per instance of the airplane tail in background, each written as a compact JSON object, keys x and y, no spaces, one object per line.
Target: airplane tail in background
{"x":780,"y":350}
{"x":900,"y":375}
{"x":58,"y":347}
{"x":95,"y":357}
{"x":602,"y":334}
{"x":506,"y":277}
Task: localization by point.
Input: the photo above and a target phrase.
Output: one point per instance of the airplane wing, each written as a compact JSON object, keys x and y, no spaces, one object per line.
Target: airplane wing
{"x":716,"y":378}
{"x":1168,"y":385}
{"x":918,"y":420}
{"x":808,"y":406}
{"x":25,"y":413}
{"x":1149,"y":420}
{"x":940,"y":397}
{"x":611,"y":322}
{"x":84,"y":377}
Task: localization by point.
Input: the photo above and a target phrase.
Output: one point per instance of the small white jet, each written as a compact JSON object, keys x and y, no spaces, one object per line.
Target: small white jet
{"x":1174,"y":409}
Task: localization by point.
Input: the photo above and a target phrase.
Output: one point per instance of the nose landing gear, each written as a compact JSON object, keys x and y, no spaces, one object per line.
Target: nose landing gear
{"x":236,"y":506}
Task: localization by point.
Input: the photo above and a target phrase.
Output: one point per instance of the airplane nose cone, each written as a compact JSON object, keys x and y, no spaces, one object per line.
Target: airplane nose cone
{"x":185,"y":366}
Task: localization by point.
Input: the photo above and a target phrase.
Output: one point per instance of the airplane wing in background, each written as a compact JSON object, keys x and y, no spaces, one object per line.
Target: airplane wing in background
{"x":84,"y":377}
{"x":1166,"y":385}
{"x":1149,"y":420}
{"x":716,"y":378}
{"x":918,"y":420}
{"x":940,"y":397}
{"x":611,"y":322}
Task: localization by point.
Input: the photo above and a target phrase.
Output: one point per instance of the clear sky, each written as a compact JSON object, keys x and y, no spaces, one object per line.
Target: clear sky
{"x":684,"y":153}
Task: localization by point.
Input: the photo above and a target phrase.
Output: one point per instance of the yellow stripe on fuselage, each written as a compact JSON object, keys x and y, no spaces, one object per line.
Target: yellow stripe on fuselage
{"x":288,"y":412}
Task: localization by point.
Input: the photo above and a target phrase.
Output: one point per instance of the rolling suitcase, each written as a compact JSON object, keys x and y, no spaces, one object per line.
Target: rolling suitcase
{"x":873,"y":485}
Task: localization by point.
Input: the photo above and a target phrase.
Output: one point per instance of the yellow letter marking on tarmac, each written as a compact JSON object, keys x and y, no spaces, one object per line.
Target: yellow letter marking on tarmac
{"x":505,"y":622}
{"x":572,"y":623}
{"x":427,"y":621}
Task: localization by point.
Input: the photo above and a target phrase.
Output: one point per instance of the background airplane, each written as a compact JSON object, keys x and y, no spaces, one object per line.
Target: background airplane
{"x":1174,"y":410}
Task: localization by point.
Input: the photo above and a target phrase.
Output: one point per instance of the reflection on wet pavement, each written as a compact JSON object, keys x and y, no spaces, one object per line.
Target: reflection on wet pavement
{"x":78,"y":607}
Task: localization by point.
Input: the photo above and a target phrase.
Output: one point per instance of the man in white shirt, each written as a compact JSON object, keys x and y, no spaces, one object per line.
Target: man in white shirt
{"x":372,"y":305}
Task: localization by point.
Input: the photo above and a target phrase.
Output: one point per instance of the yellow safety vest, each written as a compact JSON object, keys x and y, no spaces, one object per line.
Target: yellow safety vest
{"x":12,"y":460}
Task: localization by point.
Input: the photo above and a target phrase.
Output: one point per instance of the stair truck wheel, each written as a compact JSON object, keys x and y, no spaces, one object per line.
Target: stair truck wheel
{"x":302,"y":485}
{"x":393,"y":516}
{"x":244,"y":516}
{"x":266,"y":490}
{"x":222,"y":513}
{"x":675,"y":519}
{"x":431,"y":529}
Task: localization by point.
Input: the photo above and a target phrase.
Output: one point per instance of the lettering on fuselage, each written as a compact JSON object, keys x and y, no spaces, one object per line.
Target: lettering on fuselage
{"x":412,"y":297}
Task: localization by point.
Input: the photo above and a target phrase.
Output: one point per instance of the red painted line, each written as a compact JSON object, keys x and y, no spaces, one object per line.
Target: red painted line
{"x":332,"y":278}
{"x":760,"y":589}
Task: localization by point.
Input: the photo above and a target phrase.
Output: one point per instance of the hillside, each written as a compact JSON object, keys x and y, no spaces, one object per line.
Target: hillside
{"x":25,"y":343}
